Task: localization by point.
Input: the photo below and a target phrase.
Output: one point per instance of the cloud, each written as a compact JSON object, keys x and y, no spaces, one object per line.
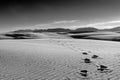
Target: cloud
{"x":62,"y":22}
{"x":108,"y":24}
{"x":73,"y":24}
{"x":103,"y":23}
{"x":65,"y":21}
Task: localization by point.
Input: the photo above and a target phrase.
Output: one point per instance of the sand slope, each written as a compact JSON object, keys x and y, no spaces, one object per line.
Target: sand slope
{"x":59,"y":59}
{"x":99,"y":35}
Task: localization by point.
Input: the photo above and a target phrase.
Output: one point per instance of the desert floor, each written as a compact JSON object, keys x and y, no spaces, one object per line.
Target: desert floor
{"x":59,"y":59}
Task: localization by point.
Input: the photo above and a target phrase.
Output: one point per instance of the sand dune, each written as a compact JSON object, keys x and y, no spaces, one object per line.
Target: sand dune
{"x":32,"y":35}
{"x":59,"y":59}
{"x":100,"y":35}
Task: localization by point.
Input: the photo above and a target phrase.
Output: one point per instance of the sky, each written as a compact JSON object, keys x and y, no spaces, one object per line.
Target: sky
{"x":18,"y":14}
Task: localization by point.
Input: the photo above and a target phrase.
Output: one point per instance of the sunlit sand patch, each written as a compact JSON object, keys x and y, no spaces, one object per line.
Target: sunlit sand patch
{"x":57,"y":59}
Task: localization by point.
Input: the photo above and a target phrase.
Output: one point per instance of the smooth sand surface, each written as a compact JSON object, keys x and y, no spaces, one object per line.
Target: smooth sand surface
{"x":59,"y":59}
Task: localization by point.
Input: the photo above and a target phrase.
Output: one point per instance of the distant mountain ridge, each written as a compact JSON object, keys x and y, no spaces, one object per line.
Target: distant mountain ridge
{"x":84,"y":30}
{"x":78,"y":30}
{"x":44,"y":30}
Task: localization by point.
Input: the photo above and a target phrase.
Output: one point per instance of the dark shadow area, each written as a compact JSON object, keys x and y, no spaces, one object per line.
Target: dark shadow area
{"x":78,"y":36}
{"x":20,"y":36}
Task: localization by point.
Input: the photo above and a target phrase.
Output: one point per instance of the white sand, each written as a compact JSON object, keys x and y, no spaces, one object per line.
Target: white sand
{"x":58,"y":59}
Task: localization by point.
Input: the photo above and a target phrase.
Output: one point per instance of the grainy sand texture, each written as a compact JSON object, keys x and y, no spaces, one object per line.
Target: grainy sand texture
{"x":59,"y":59}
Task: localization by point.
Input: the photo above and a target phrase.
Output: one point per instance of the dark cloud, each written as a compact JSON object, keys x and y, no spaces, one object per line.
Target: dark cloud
{"x":29,"y":5}
{"x":30,"y":12}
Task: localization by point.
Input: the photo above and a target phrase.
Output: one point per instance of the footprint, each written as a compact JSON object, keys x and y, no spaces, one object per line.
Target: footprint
{"x":104,"y":69}
{"x":95,"y":56}
{"x":84,"y":73}
{"x":85,"y":53}
{"x":86,"y":60}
